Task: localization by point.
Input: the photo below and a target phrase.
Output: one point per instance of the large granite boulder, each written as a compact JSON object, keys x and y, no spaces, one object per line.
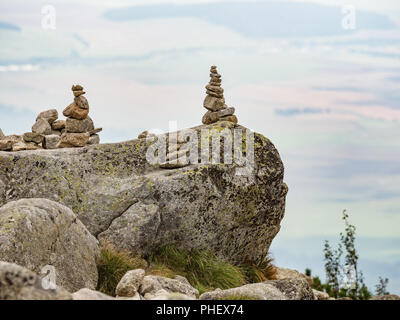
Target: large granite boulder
{"x":19,"y":283}
{"x":120,"y":196}
{"x":38,"y":233}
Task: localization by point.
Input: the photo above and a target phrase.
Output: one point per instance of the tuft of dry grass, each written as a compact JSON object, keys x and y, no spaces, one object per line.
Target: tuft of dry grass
{"x":113,"y":265}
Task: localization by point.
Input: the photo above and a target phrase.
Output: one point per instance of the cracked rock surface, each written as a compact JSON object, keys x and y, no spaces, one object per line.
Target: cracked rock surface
{"x":35,"y":233}
{"x":119,"y":195}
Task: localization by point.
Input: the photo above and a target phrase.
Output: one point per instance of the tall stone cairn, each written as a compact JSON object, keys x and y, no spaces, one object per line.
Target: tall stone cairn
{"x":215,"y":102}
{"x":79,"y":127}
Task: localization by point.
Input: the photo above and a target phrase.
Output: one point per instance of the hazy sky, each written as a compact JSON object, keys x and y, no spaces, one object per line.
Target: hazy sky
{"x":327,"y":97}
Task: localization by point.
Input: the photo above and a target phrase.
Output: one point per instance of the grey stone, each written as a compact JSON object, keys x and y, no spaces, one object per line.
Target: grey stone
{"x":165,"y":295}
{"x":130,"y":283}
{"x":256,"y":291}
{"x":293,"y":288}
{"x":51,"y":141}
{"x":285,"y":273}
{"x":38,"y":232}
{"x":19,"y":283}
{"x":88,"y":294}
{"x":73,"y":140}
{"x":153,"y":284}
{"x":79,"y":126}
{"x":33,"y":137}
{"x":41,"y":126}
{"x":49,"y":115}
{"x":58,"y":125}
{"x":199,"y":206}
{"x":94,"y":139}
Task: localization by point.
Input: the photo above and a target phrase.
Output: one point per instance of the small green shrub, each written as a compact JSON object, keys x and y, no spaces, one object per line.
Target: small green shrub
{"x":113,"y":265}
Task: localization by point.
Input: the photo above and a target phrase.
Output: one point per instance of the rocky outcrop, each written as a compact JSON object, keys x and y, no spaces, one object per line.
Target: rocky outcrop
{"x":35,"y":233}
{"x":118,"y":195}
{"x":320,"y":295}
{"x":151,"y":285}
{"x":285,"y":273}
{"x":88,"y":294}
{"x":287,"y":289}
{"x":18,"y":283}
{"x":130,"y":283}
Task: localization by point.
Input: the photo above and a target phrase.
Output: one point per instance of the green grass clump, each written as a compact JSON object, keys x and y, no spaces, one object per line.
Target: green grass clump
{"x":237,"y":297}
{"x":261,"y":272}
{"x":203,"y":269}
{"x":113,"y":265}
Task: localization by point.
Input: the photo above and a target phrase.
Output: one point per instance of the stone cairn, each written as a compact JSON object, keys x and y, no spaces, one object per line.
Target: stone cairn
{"x":49,"y":133}
{"x":79,"y":127}
{"x":217,"y":110}
{"x":215,"y":102}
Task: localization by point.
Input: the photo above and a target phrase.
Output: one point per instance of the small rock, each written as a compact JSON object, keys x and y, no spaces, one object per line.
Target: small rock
{"x":58,"y":125}
{"x":19,"y":283}
{"x":285,"y":273}
{"x":2,"y":134}
{"x":88,"y":294}
{"x":95,"y":131}
{"x":51,"y":141}
{"x":137,"y":296}
{"x":130,"y":283}
{"x":232,"y":118}
{"x":82,"y":102}
{"x":79,"y":126}
{"x":5,"y":145}
{"x":21,"y":145}
{"x":94,"y":139}
{"x":256,"y":291}
{"x":213,"y":103}
{"x":33,"y":137}
{"x":71,"y":140}
{"x":77,"y":87}
{"x":153,"y":284}
{"x":73,"y":111}
{"x":319,"y":295}
{"x":41,"y":126}
{"x":49,"y":115}
{"x":79,"y":93}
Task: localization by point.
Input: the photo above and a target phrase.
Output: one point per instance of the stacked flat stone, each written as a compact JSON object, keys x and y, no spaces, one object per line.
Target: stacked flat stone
{"x":176,"y":156}
{"x":79,"y":128}
{"x":215,"y":102}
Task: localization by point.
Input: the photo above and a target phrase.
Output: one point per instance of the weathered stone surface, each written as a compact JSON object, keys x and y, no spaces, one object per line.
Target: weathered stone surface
{"x":21,"y":145}
{"x":320,"y":295}
{"x":33,"y":137}
{"x":74,"y":111}
{"x":72,"y":140}
{"x":285,"y":273}
{"x":386,"y":297}
{"x":82,"y":102}
{"x":19,"y":283}
{"x":49,"y":115}
{"x":51,"y":141}
{"x":232,"y":118}
{"x":58,"y":125}
{"x":130,"y":283}
{"x":78,"y":93}
{"x":6,"y":144}
{"x":153,"y":284}
{"x":213,"y":104}
{"x":41,"y":126}
{"x":79,"y":126}
{"x":88,"y":294}
{"x":39,"y":232}
{"x":199,"y":206}
{"x":2,"y":134}
{"x":293,"y":289}
{"x":257,"y":291}
{"x":94,"y":139}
